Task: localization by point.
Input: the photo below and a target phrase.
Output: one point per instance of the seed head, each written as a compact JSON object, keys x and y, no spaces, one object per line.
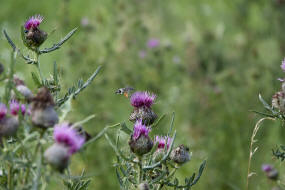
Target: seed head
{"x":180,"y":155}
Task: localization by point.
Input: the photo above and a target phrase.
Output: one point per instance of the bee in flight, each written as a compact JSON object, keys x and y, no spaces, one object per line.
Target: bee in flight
{"x":125,"y":91}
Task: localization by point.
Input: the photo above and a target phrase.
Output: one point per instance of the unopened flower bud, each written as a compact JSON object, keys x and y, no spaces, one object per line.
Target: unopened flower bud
{"x":8,"y":126}
{"x":44,"y":118}
{"x":161,"y":142}
{"x":271,"y":173}
{"x":180,"y":155}
{"x":158,"y":154}
{"x":33,"y":36}
{"x":57,"y":156}
{"x":140,"y":143}
{"x":42,"y":109}
{"x":143,"y":186}
{"x":278,"y":101}
{"x":25,"y":91}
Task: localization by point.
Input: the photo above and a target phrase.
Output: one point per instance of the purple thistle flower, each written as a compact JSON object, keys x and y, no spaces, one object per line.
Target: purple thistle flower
{"x":152,"y":43}
{"x":283,"y":65}
{"x":23,"y":109}
{"x":68,"y":136}
{"x":266,"y":168}
{"x":139,"y":99}
{"x":162,"y":141}
{"x":33,"y":22}
{"x":140,"y":129}
{"x":3,"y":110}
{"x":15,"y":107}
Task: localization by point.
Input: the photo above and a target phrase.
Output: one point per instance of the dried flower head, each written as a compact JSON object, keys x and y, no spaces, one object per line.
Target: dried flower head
{"x":162,"y":141}
{"x":33,"y":22}
{"x":42,"y":99}
{"x":68,"y":136}
{"x":152,"y":43}
{"x":278,"y":101}
{"x":139,"y":99}
{"x":180,"y":155}
{"x":3,"y":110}
{"x":140,"y":129}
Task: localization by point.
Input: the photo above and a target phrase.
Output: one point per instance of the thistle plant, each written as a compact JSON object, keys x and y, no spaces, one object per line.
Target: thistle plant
{"x":274,"y":111}
{"x":149,"y":162}
{"x":36,"y":141}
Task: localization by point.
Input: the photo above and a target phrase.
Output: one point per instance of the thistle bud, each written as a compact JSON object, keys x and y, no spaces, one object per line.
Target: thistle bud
{"x":161,"y":142}
{"x":143,"y":186}
{"x":180,"y":155}
{"x":278,"y":101}
{"x":8,"y":126}
{"x":22,"y":89}
{"x":33,"y":36}
{"x":42,"y":109}
{"x":57,"y":156}
{"x":140,"y":143}
{"x":270,"y":172}
{"x":142,"y":102}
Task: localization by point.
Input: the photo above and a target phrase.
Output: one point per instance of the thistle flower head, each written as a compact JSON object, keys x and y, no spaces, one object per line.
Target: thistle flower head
{"x":162,"y":141}
{"x":283,"y":65}
{"x":140,"y":129}
{"x":68,"y":136}
{"x":152,"y":43}
{"x":33,"y":22}
{"x":139,"y":99}
{"x":3,"y":110}
{"x":15,"y":107}
{"x":266,"y":168}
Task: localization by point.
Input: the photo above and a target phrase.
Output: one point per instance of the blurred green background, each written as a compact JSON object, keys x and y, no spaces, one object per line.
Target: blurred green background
{"x":213,"y":59}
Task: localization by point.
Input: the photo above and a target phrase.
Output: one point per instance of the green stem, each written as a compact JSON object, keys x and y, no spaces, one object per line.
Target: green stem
{"x":140,"y":173}
{"x":34,"y":155}
{"x":10,"y":176}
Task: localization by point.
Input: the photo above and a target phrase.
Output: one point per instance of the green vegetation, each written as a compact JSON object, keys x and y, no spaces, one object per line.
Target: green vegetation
{"x":213,"y":59}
